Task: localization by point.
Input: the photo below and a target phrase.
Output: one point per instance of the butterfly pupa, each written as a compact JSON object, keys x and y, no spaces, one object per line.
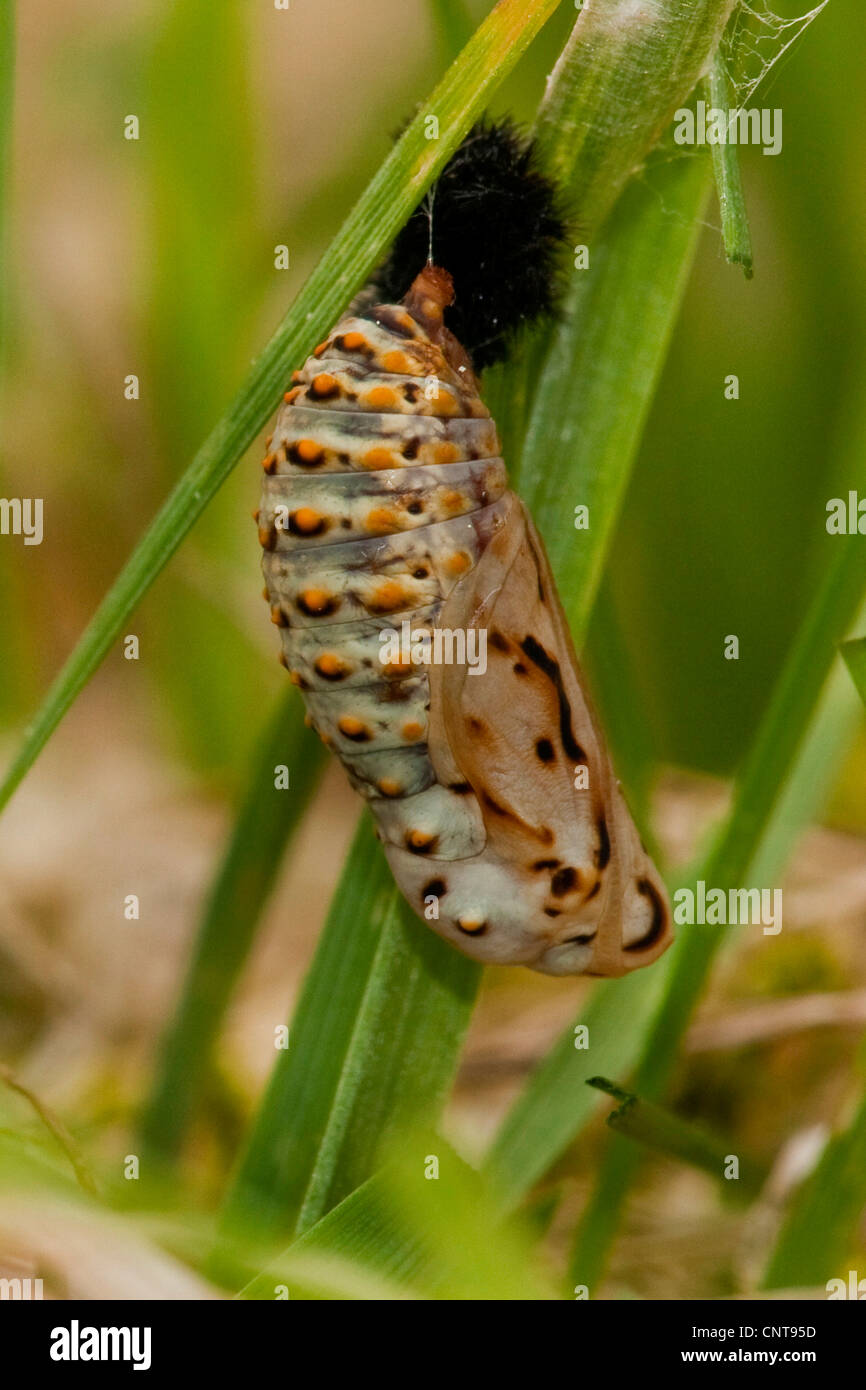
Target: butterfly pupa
{"x":386,"y":502}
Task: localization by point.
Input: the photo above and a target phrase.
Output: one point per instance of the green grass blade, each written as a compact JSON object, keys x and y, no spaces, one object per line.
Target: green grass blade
{"x":431,"y":1231}
{"x":621,"y":77}
{"x":729,"y":183}
{"x":818,"y":1235}
{"x":854,"y":653}
{"x":419,"y":996}
{"x":613,"y":340}
{"x":645,"y":1123}
{"x":556,"y":1103}
{"x":382,"y":209}
{"x":374,"y":1044}
{"x":266,"y":820}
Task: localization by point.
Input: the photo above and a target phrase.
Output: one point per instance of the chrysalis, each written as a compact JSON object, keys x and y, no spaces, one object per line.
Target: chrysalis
{"x":391,"y":539}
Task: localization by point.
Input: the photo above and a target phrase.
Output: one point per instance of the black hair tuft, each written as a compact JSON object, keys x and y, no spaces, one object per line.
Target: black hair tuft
{"x":497,"y":228}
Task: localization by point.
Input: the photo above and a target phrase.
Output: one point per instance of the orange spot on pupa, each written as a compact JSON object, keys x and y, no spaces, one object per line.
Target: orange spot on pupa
{"x":454,"y":502}
{"x":420,"y":840}
{"x":292,"y":395}
{"x":324,"y":385}
{"x":352,"y":727}
{"x":444,"y":404}
{"x":381,"y":398}
{"x":458,"y":563}
{"x":377,"y":458}
{"x":446,"y":452}
{"x":314,"y":601}
{"x":397,"y":668}
{"x":389,"y":596}
{"x":328,"y":664}
{"x":352,"y":341}
{"x":389,"y":786}
{"x":412,"y":731}
{"x":278,"y":617}
{"x":267,"y":537}
{"x":320,"y":348}
{"x":396,"y":361}
{"x":306,"y":520}
{"x":307,"y":450}
{"x":379,"y":520}
{"x":256,"y":514}
{"x":269,"y":463}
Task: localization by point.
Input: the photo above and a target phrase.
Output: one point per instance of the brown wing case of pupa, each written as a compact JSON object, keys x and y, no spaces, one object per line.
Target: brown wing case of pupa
{"x":385,"y":499}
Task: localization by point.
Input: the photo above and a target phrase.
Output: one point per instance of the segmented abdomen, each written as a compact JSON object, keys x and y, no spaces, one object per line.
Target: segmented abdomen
{"x":383,"y":487}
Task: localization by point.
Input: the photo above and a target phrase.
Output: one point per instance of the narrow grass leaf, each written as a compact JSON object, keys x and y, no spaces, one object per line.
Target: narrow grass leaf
{"x":854,"y":653}
{"x":729,"y":183}
{"x":267,"y":819}
{"x":666,"y":1133}
{"x":818,"y":1236}
{"x":374,"y":1044}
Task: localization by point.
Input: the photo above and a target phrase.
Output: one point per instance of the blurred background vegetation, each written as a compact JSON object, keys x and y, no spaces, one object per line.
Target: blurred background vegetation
{"x":156,"y":257}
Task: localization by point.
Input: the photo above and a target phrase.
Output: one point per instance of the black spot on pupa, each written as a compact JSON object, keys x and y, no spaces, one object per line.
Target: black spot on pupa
{"x":461,"y":788}
{"x":519,"y":668}
{"x":411,"y":390}
{"x":552,"y":912}
{"x":602,"y":854}
{"x":582,"y":940}
{"x":659,"y":917}
{"x":498,"y":642}
{"x":436,"y":888}
{"x":541,"y":864}
{"x":550,"y":666}
{"x":544,"y":749}
{"x":596,"y":888}
{"x":410,"y":448}
{"x":563,"y":881}
{"x":415,"y":508}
